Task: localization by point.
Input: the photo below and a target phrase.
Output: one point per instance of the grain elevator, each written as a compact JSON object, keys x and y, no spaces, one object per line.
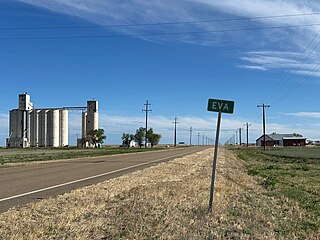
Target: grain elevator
{"x":46,"y":127}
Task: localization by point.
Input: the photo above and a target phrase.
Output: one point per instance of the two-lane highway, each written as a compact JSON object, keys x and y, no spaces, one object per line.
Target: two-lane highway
{"x":21,"y":185}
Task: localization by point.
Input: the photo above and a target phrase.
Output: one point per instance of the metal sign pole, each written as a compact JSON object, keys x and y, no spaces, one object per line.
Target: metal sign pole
{"x":214,"y":165}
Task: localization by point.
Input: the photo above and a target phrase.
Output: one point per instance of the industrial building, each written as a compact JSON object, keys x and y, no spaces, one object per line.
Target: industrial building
{"x":46,"y":127}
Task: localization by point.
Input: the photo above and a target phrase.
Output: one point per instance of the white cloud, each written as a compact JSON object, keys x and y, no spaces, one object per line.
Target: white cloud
{"x":253,"y":67}
{"x":280,"y":41}
{"x":313,"y":115}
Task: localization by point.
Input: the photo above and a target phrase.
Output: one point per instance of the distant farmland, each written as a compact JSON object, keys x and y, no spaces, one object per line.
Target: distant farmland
{"x":295,"y":152}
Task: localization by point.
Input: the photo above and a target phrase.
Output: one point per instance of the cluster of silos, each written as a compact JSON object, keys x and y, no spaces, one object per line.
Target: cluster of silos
{"x":49,"y":128}
{"x":30,"y":127}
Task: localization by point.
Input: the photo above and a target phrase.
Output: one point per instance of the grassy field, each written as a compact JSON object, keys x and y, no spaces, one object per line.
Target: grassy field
{"x":170,"y":201}
{"x":296,"y":152}
{"x":14,"y":156}
{"x":292,"y":173}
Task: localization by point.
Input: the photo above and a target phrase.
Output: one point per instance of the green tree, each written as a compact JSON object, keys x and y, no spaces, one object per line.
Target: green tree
{"x":83,"y":142}
{"x":127,"y":139}
{"x":139,"y":136}
{"x":153,"y":138}
{"x":96,"y":136}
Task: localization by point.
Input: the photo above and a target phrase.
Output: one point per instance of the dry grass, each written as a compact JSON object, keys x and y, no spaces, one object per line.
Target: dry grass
{"x":167,"y":201}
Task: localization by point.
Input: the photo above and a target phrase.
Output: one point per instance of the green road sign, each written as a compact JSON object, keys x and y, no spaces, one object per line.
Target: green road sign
{"x":216,"y":105}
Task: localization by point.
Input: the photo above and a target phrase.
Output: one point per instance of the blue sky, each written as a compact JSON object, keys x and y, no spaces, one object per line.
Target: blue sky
{"x":176,"y":72}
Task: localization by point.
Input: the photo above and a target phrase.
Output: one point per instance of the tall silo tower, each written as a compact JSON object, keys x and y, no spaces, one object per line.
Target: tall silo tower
{"x":24,"y":102}
{"x":92,"y":116}
{"x":19,"y":123}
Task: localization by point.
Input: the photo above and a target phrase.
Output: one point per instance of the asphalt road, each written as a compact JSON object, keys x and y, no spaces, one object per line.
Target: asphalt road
{"x":21,"y":185}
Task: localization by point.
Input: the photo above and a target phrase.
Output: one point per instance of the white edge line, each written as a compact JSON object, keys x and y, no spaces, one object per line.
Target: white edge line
{"x":88,"y":178}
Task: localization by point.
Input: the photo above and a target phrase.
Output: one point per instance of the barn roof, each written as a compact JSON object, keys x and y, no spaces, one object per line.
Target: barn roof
{"x":279,"y":137}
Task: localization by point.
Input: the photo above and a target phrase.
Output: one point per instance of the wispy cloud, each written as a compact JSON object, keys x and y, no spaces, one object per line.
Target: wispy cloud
{"x":253,"y":67}
{"x":313,"y":115}
{"x":292,"y":62}
{"x":277,"y":43}
{"x":155,"y":11}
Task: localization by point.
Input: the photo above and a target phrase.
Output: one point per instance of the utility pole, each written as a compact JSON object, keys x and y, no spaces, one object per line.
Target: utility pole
{"x":146,"y":110}
{"x":236,"y":137}
{"x":175,"y":131}
{"x":240,"y":136}
{"x":263,"y":106}
{"x":206,"y":140}
{"x":190,"y":136}
{"x":202,"y":139}
{"x":198,"y":138}
{"x":247,"y":125}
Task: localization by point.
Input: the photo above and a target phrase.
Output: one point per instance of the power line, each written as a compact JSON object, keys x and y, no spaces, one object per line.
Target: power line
{"x":159,"y":23}
{"x":159,"y":34}
{"x":283,"y":81}
{"x":315,"y":69}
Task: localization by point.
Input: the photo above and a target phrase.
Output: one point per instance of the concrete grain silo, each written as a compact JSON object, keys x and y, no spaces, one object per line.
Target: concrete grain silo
{"x":46,"y":127}
{"x":53,"y":128}
{"x":43,"y":122}
{"x":34,"y":128}
{"x":15,"y":128}
{"x":84,"y":124}
{"x":64,"y":133}
{"x":92,"y":116}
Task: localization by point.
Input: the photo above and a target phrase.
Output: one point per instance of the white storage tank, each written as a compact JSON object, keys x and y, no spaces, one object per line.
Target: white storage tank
{"x":43,"y":120}
{"x":13,"y":124}
{"x":53,"y":128}
{"x":15,"y":128}
{"x":34,"y":128}
{"x":64,"y":128}
{"x":84,"y":124}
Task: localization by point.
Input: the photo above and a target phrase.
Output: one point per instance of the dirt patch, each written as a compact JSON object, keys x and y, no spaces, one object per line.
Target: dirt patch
{"x":166,"y":201}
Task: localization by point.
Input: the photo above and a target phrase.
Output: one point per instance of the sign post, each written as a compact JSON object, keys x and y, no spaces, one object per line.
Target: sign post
{"x":220,"y":106}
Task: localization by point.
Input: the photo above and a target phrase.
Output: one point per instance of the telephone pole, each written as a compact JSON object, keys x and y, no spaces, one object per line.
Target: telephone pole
{"x":236,"y":137}
{"x":198,"y":138}
{"x":175,"y":131}
{"x":146,"y":110}
{"x":190,"y":136}
{"x":202,"y":139}
{"x":240,"y":136}
{"x":263,"y":106}
{"x":247,"y":125}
